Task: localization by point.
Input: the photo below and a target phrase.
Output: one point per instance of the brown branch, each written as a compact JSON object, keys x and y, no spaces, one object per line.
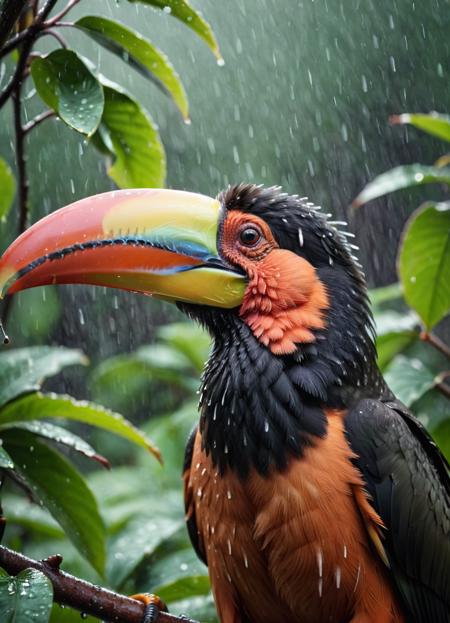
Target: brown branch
{"x":81,"y":595}
{"x":69,"y":6}
{"x":15,"y":41}
{"x":10,"y":11}
{"x":62,"y":42}
{"x":47,"y":114}
{"x":443,"y":388}
{"x":435,"y":341}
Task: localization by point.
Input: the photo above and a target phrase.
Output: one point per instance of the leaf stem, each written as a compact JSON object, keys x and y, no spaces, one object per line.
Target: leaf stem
{"x":81,"y":595}
{"x":56,"y":35}
{"x":435,"y":341}
{"x":56,"y":18}
{"x":47,"y":114}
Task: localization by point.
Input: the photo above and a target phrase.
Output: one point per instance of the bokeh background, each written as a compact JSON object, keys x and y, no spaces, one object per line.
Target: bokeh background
{"x":303,"y":101}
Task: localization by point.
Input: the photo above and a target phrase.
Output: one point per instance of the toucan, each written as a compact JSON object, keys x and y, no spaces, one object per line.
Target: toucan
{"x":311,"y":493}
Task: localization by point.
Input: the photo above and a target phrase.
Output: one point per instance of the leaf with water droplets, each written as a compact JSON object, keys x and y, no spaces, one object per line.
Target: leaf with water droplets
{"x":408,"y":378}
{"x":68,"y":86}
{"x":7,"y":188}
{"x":38,"y":406}
{"x":58,"y":435}
{"x":23,"y":370}
{"x":129,"y":136}
{"x":62,"y":490}
{"x":402,"y":177}
{"x":6,"y":461}
{"x":433,"y":123}
{"x":26,"y":597}
{"x":139,"y":53}
{"x":424,"y":262}
{"x":193,"y":19}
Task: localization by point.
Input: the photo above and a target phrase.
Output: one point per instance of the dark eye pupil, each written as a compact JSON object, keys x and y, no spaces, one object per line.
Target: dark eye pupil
{"x":250,"y":235}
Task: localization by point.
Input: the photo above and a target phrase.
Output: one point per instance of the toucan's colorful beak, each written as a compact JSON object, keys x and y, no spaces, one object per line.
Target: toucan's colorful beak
{"x":158,"y":242}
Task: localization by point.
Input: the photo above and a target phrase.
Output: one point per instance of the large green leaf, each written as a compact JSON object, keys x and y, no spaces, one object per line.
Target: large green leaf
{"x":405,"y":176}
{"x":6,"y":461}
{"x":38,"y":406}
{"x":21,"y":512}
{"x":68,"y":86}
{"x":433,"y":123}
{"x":36,"y":312}
{"x":58,"y":435}
{"x":391,"y":344}
{"x":26,"y":597}
{"x":59,"y":487}
{"x":138,"y":541}
{"x":24,"y":369}
{"x":408,"y":378}
{"x":7,"y":189}
{"x":424,"y":262}
{"x":134,"y":49}
{"x":441,"y":435}
{"x":177,"y":575}
{"x":189,"y":339}
{"x":184,"y":12}
{"x":130,"y":137}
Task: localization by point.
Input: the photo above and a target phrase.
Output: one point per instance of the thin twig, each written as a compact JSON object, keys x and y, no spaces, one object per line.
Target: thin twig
{"x":10,"y":11}
{"x":435,"y":341}
{"x":47,"y":114}
{"x":12,"y":43}
{"x":56,"y":35}
{"x":83,"y":596}
{"x":443,"y":388}
{"x":23,"y":184}
{"x":18,"y":74}
{"x":56,"y":18}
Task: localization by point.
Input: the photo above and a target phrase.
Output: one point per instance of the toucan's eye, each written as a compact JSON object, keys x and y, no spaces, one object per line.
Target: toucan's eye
{"x":250,"y":236}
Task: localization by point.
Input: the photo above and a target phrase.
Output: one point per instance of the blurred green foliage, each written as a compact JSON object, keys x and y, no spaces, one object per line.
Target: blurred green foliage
{"x":292,"y":58}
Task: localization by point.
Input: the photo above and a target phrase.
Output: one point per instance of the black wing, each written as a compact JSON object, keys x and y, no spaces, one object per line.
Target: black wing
{"x":408,"y":480}
{"x":189,"y":505}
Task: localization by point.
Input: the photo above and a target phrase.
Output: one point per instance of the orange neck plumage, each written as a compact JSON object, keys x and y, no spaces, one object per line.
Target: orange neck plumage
{"x":284,"y":301}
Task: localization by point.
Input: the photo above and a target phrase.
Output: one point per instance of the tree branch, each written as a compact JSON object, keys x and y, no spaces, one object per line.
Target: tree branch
{"x":81,"y":595}
{"x":435,"y":341}
{"x":47,"y":114}
{"x":10,"y":11}
{"x":62,"y":13}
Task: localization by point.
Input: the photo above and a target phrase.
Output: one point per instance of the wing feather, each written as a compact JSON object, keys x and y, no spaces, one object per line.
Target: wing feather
{"x":408,"y":480}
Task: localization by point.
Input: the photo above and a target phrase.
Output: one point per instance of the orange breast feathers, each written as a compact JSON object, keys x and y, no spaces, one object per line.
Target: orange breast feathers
{"x":294,"y":547}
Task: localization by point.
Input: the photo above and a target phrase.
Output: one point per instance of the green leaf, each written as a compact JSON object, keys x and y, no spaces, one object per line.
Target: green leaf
{"x":7,"y":189}
{"x":6,"y":461}
{"x":25,"y":598}
{"x":441,"y":435}
{"x":433,"y":123}
{"x":21,"y":512}
{"x":184,"y":12}
{"x":24,"y":369}
{"x":58,"y":435}
{"x":36,"y":313}
{"x":134,"y":49}
{"x":178,"y":575}
{"x":139,"y":541}
{"x":391,"y":344}
{"x":68,"y":86}
{"x":386,"y":294}
{"x":131,"y":138}
{"x":408,"y":378}
{"x":424,"y":262}
{"x":402,"y":177}
{"x":38,"y":406}
{"x":189,"y":339}
{"x":62,"y":490}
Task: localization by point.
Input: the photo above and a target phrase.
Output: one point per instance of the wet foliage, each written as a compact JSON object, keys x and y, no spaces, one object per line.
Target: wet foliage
{"x":304,"y":101}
